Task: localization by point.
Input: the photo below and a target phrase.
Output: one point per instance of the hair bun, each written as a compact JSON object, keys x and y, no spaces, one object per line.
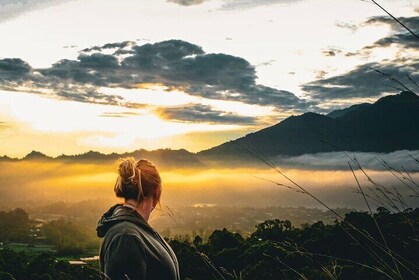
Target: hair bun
{"x":137,"y":180}
{"x":142,"y":162}
{"x":128,"y":171}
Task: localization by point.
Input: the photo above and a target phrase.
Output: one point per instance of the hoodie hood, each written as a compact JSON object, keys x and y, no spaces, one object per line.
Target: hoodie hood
{"x":117,"y":214}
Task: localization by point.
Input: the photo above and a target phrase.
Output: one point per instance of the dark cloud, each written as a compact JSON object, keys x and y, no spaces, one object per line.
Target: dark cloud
{"x":203,"y":113}
{"x":411,"y":22}
{"x":68,"y":79}
{"x":173,"y":63}
{"x":14,"y":69}
{"x":119,"y":45}
{"x":363,"y":81}
{"x":406,"y":40}
{"x":187,"y":2}
{"x":401,"y":35}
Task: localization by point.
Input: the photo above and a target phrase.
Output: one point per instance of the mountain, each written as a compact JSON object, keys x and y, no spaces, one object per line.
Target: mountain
{"x":88,"y":156}
{"x":390,"y":124}
{"x":161,"y":157}
{"x":35,"y":155}
{"x":340,"y":113}
{"x":6,"y":158}
{"x":165,"y":158}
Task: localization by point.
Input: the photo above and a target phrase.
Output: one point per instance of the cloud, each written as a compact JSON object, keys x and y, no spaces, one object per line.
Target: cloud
{"x":10,"y":9}
{"x":70,"y":47}
{"x":401,"y":36}
{"x":175,"y":64}
{"x":363,"y":81}
{"x":350,"y":26}
{"x":339,"y":160}
{"x":229,"y":5}
{"x":203,"y":113}
{"x":118,"y":45}
{"x":410,"y":22}
{"x":406,"y":40}
{"x":187,"y":2}
{"x":68,"y":79}
{"x":118,"y":115}
{"x":14,"y":69}
{"x":332,"y":52}
{"x":248,"y":4}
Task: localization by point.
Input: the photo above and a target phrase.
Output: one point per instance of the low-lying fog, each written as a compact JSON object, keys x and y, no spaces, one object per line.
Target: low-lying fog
{"x":50,"y":181}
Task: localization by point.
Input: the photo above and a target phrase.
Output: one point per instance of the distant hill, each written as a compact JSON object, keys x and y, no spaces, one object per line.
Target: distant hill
{"x":165,"y":157}
{"x":390,"y":124}
{"x":35,"y":155}
{"x":161,"y":157}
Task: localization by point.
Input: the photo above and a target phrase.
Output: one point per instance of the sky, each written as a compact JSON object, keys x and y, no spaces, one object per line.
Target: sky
{"x":115,"y":76}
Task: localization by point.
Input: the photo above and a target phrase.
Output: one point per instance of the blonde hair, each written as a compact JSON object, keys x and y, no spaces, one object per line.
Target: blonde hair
{"x":138,"y":180}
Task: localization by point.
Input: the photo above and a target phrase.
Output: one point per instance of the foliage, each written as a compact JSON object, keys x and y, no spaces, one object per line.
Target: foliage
{"x":19,"y":266}
{"x":277,"y":250}
{"x":69,"y":238}
{"x":14,"y":225}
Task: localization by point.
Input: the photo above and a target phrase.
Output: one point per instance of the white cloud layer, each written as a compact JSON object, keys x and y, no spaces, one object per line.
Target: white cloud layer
{"x":339,"y":160}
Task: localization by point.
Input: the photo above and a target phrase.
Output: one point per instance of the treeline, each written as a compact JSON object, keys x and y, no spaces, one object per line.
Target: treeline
{"x":15,"y":226}
{"x":69,"y":238}
{"x":361,"y":246}
{"x":19,"y":266}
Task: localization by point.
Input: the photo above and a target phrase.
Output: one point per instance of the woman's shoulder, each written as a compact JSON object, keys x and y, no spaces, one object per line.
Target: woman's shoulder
{"x":122,"y":220}
{"x":126,"y":228}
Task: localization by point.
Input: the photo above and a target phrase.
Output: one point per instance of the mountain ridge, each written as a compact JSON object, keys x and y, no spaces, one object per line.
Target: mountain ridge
{"x":391,"y":123}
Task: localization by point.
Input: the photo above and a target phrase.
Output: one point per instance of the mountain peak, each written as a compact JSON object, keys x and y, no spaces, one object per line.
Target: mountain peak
{"x":404,"y":96}
{"x":408,"y":94}
{"x":35,"y":155}
{"x":385,"y":126}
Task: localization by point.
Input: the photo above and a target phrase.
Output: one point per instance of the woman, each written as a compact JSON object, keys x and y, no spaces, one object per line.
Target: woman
{"x":131,"y":248}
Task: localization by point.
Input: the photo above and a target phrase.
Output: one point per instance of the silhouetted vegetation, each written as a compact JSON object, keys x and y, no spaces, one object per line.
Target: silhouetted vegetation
{"x":275,"y":250}
{"x":69,"y":238}
{"x":14,"y":225}
{"x":66,"y":237}
{"x":19,"y":266}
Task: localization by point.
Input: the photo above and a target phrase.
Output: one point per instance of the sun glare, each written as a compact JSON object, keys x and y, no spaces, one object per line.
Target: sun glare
{"x":103,"y":126}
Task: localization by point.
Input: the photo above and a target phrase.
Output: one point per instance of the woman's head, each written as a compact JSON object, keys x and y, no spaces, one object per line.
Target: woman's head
{"x":138,"y":180}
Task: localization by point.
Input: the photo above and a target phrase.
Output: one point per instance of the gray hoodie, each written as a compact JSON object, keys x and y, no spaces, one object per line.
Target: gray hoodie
{"x":132,"y":249}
